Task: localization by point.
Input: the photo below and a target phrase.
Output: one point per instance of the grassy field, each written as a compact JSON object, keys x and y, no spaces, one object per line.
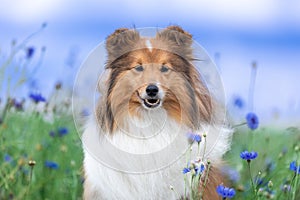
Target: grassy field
{"x":41,"y":156}
{"x":54,"y":147}
{"x":56,"y":150}
{"x":270,"y":170}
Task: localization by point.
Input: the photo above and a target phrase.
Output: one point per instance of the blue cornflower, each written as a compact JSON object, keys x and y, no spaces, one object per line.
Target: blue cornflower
{"x":258,"y":181}
{"x":29,"y":52}
{"x":52,"y":133}
{"x":51,"y":165}
{"x":232,"y":174}
{"x":197,"y":167}
{"x":63,"y":131}
{"x":186,"y":170}
{"x":294,"y":167}
{"x":238,"y":102}
{"x":270,"y":164}
{"x":18,"y":105}
{"x":248,"y":155}
{"x":225,"y":192}
{"x":85,"y":112}
{"x":252,"y":121}
{"x":194,"y":137}
{"x":36,"y":97}
{"x":7,"y":158}
{"x":200,"y":168}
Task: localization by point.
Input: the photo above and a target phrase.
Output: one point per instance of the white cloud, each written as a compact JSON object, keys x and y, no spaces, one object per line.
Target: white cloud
{"x":25,"y":11}
{"x":231,"y":13}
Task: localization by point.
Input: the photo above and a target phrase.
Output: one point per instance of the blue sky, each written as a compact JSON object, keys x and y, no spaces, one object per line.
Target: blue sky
{"x":267,"y":31}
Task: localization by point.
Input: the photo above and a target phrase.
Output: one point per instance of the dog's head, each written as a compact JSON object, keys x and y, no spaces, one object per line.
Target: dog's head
{"x":150,"y":74}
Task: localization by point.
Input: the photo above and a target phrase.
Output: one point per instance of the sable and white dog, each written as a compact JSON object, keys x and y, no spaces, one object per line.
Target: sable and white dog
{"x":153,"y":96}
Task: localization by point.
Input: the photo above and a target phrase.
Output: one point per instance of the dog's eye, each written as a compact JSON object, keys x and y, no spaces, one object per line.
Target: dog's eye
{"x":164,"y":68}
{"x":139,"y":68}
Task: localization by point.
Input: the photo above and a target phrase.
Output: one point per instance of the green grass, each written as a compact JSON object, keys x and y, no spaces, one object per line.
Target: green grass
{"x":276,"y":148}
{"x":26,"y":137}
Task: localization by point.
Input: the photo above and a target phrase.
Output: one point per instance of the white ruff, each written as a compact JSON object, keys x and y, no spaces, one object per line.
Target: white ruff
{"x":100,"y":160}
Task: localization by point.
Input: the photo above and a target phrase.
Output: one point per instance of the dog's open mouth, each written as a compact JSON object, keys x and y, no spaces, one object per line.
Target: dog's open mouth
{"x":151,"y":103}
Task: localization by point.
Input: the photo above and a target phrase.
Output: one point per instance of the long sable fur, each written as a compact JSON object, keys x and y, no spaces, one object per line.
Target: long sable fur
{"x":192,"y":103}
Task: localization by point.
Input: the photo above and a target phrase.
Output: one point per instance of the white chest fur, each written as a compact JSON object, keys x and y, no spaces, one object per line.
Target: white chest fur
{"x":114,"y":165}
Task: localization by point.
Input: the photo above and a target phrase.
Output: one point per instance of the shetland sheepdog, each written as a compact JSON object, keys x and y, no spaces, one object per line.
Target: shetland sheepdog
{"x":135,"y":143}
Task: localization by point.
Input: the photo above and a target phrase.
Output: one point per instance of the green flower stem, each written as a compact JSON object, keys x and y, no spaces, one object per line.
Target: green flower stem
{"x":238,"y":125}
{"x":188,"y":158}
{"x":14,"y":51}
{"x":6,"y":108}
{"x":295,"y":186}
{"x":29,"y":183}
{"x":198,"y":150}
{"x":191,"y":187}
{"x":252,"y":183}
{"x":205,"y":180}
{"x":176,"y":193}
{"x":185,"y":183}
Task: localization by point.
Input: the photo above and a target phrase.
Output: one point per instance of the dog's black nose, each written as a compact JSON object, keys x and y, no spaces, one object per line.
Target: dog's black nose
{"x":152,"y":90}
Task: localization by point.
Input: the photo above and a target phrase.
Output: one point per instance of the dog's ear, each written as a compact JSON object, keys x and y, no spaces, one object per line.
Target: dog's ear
{"x":121,"y":41}
{"x":176,"y":40}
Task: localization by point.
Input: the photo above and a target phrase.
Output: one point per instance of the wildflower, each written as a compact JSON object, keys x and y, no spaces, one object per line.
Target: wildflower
{"x":232,"y":174}
{"x":200,"y":168}
{"x":248,"y":155}
{"x":294,"y":167}
{"x":18,"y":104}
{"x":284,"y":150}
{"x":196,"y":166}
{"x":7,"y":158}
{"x":269,"y":194}
{"x":270,"y":165}
{"x":52,"y":133}
{"x":225,"y":192}
{"x":43,"y":48}
{"x":260,"y":192}
{"x":51,"y":165}
{"x":270,"y":184}
{"x":252,"y":121}
{"x":194,"y":137}
{"x":58,"y":85}
{"x":186,"y":170}
{"x":36,"y":98}
{"x":285,"y":188}
{"x":258,"y":180}
{"x":44,"y":24}
{"x":238,"y":102}
{"x":31,"y":163}
{"x":29,"y":52}
{"x":63,"y":131}
{"x":85,"y":113}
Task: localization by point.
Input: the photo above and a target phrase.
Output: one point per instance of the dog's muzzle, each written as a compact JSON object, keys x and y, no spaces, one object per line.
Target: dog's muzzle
{"x":150,"y":98}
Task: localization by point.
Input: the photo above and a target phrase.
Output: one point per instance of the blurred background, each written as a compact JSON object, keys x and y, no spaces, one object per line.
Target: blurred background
{"x":234,"y":33}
